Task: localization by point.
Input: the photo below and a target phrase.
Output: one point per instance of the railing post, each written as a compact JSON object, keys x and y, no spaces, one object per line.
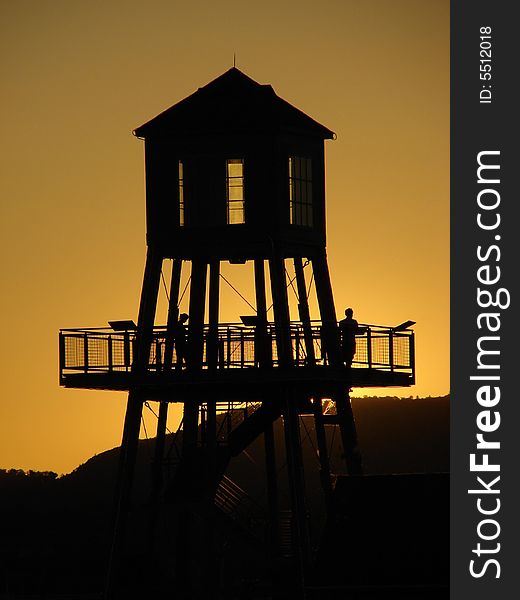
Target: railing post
{"x":228,"y":347}
{"x":221,"y":355}
{"x":158,"y":356}
{"x":126,"y":350}
{"x":369,"y":347}
{"x":85,"y":353}
{"x":391,"y":349}
{"x":110,"y":354}
{"x":242,"y":348}
{"x":411,"y":346}
{"x":62,"y":356}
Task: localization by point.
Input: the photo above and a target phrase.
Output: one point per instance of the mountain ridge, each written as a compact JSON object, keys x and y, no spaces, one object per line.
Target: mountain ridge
{"x":57,"y":529}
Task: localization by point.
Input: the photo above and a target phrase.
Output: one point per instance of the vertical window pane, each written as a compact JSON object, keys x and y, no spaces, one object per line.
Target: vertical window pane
{"x":297,"y":168}
{"x":300,"y":191}
{"x":235,"y":191}
{"x":298,"y":214}
{"x":181,"y":193}
{"x":303,"y":169}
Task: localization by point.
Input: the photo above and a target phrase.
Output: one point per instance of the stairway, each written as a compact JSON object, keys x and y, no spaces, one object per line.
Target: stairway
{"x":199,"y":478}
{"x":236,"y":504}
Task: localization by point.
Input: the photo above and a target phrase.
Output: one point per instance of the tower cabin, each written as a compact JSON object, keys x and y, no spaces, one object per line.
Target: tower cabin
{"x":232,"y":172}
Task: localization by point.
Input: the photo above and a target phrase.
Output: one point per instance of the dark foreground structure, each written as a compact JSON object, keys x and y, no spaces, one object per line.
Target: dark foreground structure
{"x":234,"y":173}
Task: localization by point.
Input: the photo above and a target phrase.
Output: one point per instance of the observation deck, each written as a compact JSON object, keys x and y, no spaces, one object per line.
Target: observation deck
{"x":103,"y":359}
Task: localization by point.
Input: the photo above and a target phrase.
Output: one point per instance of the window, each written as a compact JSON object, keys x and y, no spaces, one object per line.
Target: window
{"x":235,"y":191}
{"x":181,"y":194}
{"x":300,"y":191}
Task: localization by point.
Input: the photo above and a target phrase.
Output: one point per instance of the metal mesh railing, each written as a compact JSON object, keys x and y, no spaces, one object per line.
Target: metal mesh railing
{"x":92,"y":351}
{"x":231,"y":346}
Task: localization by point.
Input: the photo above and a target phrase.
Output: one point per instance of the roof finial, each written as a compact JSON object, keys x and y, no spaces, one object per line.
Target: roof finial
{"x":234,"y":60}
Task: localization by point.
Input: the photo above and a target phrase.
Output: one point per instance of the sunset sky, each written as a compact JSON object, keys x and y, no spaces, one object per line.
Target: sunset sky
{"x":79,"y":76}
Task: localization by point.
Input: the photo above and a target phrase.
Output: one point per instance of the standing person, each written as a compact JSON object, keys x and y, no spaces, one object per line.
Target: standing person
{"x":348,"y":327}
{"x":181,"y":341}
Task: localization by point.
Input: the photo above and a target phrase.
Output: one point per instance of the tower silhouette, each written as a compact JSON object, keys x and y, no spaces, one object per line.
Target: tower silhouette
{"x":234,"y":173}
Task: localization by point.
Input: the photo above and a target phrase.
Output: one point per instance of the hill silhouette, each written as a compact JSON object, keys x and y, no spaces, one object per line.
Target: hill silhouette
{"x":56,"y":530}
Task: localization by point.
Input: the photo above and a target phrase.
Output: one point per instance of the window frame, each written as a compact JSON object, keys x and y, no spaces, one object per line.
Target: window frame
{"x":301,"y":199}
{"x":235,"y":206}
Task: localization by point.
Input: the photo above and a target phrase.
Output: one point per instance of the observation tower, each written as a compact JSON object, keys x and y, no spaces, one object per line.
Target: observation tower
{"x":234,"y":174}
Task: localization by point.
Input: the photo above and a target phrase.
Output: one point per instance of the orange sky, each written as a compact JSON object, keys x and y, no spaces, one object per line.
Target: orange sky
{"x":78,"y":77}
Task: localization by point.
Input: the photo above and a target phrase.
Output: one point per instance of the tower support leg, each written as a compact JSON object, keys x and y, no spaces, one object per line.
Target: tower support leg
{"x":330,"y":337}
{"x":129,"y":444}
{"x":303,"y":311}
{"x":209,"y":584}
{"x":212,"y":352}
{"x":160,"y":442}
{"x":157,"y":469}
{"x":188,"y":551}
{"x":323,"y":452}
{"x":272,"y":490}
{"x":173,"y":313}
{"x":331,"y":340}
{"x":263,"y":361}
{"x":195,"y":349}
{"x":213,"y":313}
{"x":347,"y":427}
{"x":281,"y":311}
{"x":263,"y":348}
{"x":301,"y":541}
{"x":196,"y":313}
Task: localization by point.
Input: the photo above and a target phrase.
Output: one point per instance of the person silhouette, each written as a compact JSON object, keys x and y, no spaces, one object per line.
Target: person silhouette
{"x":348,"y":327}
{"x":180,"y":338}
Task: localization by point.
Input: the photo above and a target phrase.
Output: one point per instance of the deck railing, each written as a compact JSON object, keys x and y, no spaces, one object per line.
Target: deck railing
{"x":234,"y":346}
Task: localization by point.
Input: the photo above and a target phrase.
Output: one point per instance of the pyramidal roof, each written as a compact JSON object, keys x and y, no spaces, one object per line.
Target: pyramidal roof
{"x":232,"y":103}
